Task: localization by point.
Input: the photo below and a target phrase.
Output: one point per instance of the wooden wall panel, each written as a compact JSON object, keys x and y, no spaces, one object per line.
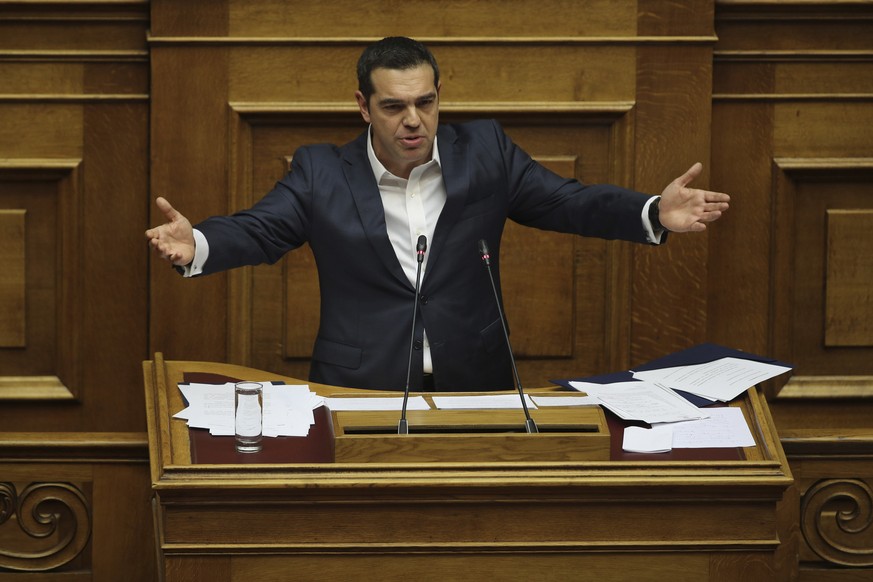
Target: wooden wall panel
{"x":189,"y":167}
{"x":804,"y":197}
{"x":849,"y":278}
{"x":802,"y":150}
{"x":96,"y":491}
{"x":739,"y":288}
{"x":74,"y":83}
{"x":792,"y":104}
{"x":832,"y":479}
{"x":508,"y":18}
{"x":12,"y":261}
{"x":467,"y":565}
{"x":73,"y":154}
{"x":673,"y":115}
{"x":46,"y":192}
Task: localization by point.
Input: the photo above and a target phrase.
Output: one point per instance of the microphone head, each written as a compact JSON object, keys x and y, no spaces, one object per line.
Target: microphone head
{"x":483,"y":252}
{"x":422,"y":244}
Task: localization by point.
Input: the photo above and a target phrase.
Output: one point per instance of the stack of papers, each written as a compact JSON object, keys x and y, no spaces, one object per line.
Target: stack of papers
{"x":723,"y":379}
{"x":725,"y":427}
{"x":676,"y":423}
{"x":287,"y":408}
{"x":644,"y":401}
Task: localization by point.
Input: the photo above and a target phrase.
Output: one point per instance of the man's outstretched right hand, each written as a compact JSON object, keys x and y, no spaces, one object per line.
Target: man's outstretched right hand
{"x":174,"y":240}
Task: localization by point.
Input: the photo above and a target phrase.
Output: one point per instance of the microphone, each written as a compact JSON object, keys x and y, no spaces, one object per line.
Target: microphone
{"x":420,"y":247}
{"x":529,"y":424}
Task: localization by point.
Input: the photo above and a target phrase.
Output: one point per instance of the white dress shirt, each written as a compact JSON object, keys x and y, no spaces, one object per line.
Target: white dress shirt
{"x":412,"y":208}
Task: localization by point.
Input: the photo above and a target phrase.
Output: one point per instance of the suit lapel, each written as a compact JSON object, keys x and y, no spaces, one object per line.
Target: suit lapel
{"x":456,"y":176}
{"x":368,"y":201}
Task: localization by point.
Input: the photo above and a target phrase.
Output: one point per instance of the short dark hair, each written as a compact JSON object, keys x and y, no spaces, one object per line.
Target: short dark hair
{"x":393,"y":52}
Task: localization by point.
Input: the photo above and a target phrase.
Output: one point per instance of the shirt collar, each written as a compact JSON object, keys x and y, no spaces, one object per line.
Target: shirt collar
{"x":379,"y":171}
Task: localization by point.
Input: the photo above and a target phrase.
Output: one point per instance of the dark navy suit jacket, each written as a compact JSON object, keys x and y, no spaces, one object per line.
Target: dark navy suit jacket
{"x":330,"y":199}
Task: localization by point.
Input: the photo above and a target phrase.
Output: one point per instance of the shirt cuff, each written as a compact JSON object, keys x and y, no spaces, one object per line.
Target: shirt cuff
{"x":201,"y":253}
{"x":654,"y":237}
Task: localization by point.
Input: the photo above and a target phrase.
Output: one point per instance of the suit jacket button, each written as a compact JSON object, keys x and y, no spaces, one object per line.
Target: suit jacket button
{"x":416,"y":344}
{"x":423,"y":299}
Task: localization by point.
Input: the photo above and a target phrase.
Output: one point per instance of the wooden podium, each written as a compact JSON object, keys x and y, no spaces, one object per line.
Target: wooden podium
{"x":293,"y":513}
{"x":571,"y":433}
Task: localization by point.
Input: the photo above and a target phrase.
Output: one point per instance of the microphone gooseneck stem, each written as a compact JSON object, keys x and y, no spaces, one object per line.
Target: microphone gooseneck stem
{"x":403,"y":425}
{"x":529,"y":424}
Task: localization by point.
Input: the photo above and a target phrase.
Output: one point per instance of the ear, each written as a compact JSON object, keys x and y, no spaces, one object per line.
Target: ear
{"x":363,"y":106}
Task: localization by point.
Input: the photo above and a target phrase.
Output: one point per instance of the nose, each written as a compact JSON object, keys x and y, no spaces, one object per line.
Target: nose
{"x":411,"y":119}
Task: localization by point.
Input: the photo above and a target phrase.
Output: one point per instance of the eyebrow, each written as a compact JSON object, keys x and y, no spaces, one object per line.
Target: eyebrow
{"x":393,"y":101}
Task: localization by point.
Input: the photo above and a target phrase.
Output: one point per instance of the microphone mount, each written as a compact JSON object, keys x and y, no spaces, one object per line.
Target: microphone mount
{"x":420,"y":248}
{"x":529,"y":424}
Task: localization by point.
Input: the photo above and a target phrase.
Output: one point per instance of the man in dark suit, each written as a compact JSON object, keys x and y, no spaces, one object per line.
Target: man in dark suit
{"x":362,"y":207}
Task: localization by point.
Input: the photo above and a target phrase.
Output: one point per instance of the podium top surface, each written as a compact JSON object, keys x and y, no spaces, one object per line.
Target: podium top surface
{"x":179,"y":454}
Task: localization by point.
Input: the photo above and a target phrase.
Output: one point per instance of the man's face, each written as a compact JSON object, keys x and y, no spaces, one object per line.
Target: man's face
{"x":404,"y":113}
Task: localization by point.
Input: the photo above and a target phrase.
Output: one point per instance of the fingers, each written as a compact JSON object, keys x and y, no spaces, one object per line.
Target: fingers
{"x":709,"y":200}
{"x":716,"y":198}
{"x":692,"y":173}
{"x":172,"y":241}
{"x":710,"y":216}
{"x":162,"y":248}
{"x":709,"y":211}
{"x":170,"y":213}
{"x":715,"y":206}
{"x":686,"y":209}
{"x":154,"y":234}
{"x":166,"y":251}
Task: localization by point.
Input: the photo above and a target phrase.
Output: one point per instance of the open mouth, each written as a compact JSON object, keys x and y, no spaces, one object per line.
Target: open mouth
{"x":412,"y":141}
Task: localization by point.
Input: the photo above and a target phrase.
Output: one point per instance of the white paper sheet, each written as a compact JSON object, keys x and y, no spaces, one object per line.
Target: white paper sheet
{"x":210,"y":406}
{"x":644,"y":401}
{"x":658,"y":439}
{"x":725,"y":428}
{"x":287,"y":408}
{"x":545,"y":401}
{"x":482,"y":402}
{"x":376,"y":403}
{"x":723,"y":379}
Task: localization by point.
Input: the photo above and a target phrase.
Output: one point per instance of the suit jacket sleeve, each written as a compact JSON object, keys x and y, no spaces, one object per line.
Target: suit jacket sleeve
{"x":276,"y":224}
{"x":542,"y":199}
